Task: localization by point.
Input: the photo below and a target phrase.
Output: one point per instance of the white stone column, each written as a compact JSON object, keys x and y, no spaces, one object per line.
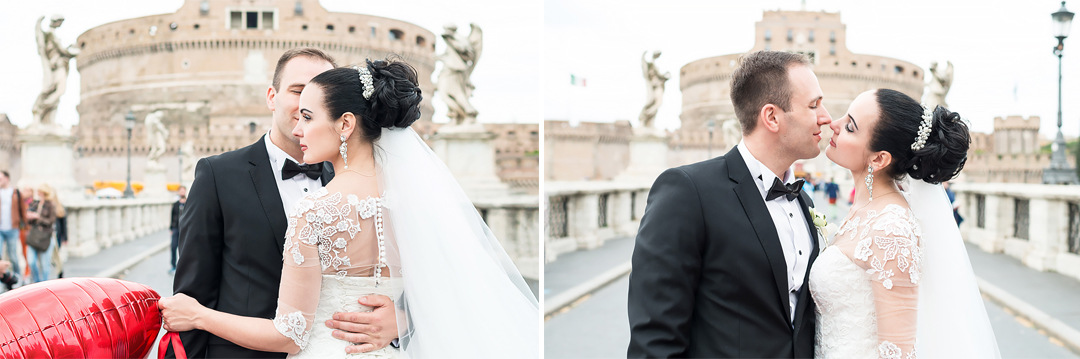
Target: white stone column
{"x":1006,"y":225}
{"x":82,"y":234}
{"x":155,"y":183}
{"x":116,"y":225}
{"x":528,"y":219}
{"x":528,"y":242}
{"x":553,"y":246}
{"x":608,"y":231}
{"x":104,"y":218}
{"x":640,"y":200}
{"x":47,"y":157}
{"x":469,"y":153}
{"x":620,"y":214}
{"x":498,"y":221}
{"x":648,"y":157}
{"x":993,"y":240}
{"x":162,"y":216}
{"x":1048,"y":230}
{"x":138,"y":220}
{"x":582,"y":217}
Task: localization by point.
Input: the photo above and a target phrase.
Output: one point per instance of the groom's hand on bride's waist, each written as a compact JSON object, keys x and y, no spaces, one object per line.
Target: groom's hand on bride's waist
{"x":367,"y":330}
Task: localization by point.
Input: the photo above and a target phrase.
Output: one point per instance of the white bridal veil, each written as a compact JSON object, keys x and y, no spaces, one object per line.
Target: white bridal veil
{"x":463,"y":295}
{"x":952,"y":320}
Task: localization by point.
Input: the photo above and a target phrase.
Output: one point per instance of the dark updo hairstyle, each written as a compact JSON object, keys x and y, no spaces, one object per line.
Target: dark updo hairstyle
{"x":395,"y":101}
{"x":946,"y":148}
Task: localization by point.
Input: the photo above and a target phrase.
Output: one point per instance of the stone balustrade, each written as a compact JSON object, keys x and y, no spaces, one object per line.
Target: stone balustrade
{"x":1037,"y":224}
{"x":513,"y":220}
{"x":97,"y":224}
{"x":584,"y":214}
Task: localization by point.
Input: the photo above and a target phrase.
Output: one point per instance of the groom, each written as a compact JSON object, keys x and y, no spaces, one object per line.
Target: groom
{"x":725,"y":245}
{"x":232,"y":229}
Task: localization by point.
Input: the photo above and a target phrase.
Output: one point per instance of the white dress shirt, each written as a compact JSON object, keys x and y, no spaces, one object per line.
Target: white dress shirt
{"x":791,"y":225}
{"x":293,"y":189}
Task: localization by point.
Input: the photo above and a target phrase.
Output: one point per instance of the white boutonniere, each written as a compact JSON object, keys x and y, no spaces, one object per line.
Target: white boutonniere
{"x":824,"y":228}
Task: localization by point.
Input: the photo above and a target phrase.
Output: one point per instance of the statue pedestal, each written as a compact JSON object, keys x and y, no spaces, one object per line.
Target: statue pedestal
{"x":469,"y":154}
{"x":47,"y":157}
{"x":155,"y":184}
{"x":648,"y":156}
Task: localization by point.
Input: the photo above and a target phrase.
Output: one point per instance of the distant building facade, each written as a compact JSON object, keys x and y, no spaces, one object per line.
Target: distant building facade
{"x":1010,"y":154}
{"x":207,"y":67}
{"x":843,"y":75}
{"x":10,"y":154}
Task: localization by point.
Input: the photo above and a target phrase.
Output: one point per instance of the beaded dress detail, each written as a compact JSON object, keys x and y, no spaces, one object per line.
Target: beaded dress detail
{"x":335,"y":252}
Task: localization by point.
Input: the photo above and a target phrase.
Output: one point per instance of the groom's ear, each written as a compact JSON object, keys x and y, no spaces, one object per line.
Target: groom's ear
{"x":270,"y":94}
{"x":769,"y":117}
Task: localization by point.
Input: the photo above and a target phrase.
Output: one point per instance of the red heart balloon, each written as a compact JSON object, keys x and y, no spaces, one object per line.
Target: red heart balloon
{"x":79,"y":318}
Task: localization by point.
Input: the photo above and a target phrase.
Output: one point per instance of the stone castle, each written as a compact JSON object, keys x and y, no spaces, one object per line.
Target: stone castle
{"x":706,"y":83}
{"x":705,"y":86}
{"x":207,"y":67}
{"x":1010,"y":154}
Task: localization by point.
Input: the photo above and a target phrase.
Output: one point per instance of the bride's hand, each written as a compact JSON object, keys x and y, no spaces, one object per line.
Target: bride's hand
{"x":180,"y":313}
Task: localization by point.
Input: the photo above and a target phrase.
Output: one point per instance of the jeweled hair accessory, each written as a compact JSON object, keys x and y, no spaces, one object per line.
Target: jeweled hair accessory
{"x":924,"y":128}
{"x":367,"y":83}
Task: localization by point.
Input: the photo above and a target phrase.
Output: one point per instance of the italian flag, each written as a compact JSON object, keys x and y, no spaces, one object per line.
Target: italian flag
{"x":576,"y":80}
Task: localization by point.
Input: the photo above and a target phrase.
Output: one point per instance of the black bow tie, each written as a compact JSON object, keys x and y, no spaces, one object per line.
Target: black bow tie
{"x":780,"y":189}
{"x":291,"y":169}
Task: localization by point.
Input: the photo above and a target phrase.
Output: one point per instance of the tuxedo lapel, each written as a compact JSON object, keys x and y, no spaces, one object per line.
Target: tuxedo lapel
{"x":805,"y":202}
{"x":754,"y":206}
{"x":262,"y":176}
{"x":804,"y":293}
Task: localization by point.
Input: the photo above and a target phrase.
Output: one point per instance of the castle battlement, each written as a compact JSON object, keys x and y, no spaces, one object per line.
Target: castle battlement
{"x":1016,"y":123}
{"x":705,"y":83}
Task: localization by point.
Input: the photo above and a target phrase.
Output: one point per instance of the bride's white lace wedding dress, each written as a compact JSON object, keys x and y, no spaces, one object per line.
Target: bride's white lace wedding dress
{"x":866,"y":284}
{"x":340,"y":239}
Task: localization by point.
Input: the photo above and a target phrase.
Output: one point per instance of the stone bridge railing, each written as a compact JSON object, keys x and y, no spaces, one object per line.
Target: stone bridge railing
{"x":582,"y":215}
{"x":97,"y":224}
{"x":1037,"y":224}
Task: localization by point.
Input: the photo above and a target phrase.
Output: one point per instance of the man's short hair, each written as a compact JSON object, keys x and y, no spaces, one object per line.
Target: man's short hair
{"x":294,"y":53}
{"x":760,"y":79}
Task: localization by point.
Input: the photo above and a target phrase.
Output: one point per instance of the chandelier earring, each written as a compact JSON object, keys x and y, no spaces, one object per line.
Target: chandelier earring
{"x":344,"y":152}
{"x":870,"y":181}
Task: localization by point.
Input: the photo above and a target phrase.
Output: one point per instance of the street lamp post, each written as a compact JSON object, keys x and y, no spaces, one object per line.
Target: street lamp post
{"x":180,"y":168}
{"x":129,"y":123}
{"x":1060,"y":171}
{"x":711,"y":124}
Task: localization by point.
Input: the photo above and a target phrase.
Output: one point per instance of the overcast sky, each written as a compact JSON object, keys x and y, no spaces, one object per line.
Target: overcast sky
{"x":1001,"y":50}
{"x":507,"y":76}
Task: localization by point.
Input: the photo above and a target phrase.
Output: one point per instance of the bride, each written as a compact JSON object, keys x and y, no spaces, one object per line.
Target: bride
{"x":393,"y":221}
{"x":896,"y":281}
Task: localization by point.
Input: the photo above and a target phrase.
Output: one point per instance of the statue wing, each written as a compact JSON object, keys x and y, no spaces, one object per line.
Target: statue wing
{"x":476,"y":42}
{"x":645,"y":65}
{"x":39,"y":35}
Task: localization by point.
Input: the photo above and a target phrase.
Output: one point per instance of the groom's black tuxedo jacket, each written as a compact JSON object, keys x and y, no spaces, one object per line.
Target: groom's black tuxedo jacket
{"x":232,"y":234}
{"x":709,"y":278}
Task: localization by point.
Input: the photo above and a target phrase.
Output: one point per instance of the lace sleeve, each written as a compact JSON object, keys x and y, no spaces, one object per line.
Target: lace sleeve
{"x":889,"y":251}
{"x":301,"y":276}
